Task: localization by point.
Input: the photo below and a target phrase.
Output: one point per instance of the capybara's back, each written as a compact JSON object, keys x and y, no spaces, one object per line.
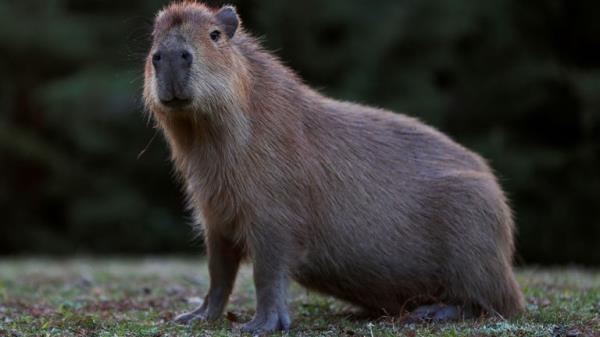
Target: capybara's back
{"x":370,"y":206}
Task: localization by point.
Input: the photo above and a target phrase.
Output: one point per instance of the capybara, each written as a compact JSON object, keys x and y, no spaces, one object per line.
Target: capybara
{"x":372,"y":207}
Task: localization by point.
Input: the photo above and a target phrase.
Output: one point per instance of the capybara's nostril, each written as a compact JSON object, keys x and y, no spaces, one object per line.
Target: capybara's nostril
{"x":156,"y":58}
{"x":187,"y":57}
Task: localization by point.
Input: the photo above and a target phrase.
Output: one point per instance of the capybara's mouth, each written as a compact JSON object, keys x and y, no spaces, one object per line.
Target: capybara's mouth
{"x":176,"y":103}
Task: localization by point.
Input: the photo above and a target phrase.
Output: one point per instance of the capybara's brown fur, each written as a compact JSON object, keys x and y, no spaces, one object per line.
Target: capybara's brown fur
{"x":370,"y":206}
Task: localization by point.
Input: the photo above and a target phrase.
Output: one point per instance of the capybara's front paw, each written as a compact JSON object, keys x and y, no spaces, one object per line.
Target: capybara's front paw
{"x":188,"y":317}
{"x":202,"y":313}
{"x":263,"y":324}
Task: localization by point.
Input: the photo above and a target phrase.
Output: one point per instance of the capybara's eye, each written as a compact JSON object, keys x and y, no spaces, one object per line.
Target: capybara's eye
{"x":215,"y":35}
{"x":156,"y":59}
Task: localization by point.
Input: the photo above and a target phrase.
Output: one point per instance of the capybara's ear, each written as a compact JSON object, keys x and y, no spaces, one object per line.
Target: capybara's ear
{"x":228,"y":18}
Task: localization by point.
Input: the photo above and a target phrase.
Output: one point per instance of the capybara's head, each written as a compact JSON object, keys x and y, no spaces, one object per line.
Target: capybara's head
{"x":192,"y":64}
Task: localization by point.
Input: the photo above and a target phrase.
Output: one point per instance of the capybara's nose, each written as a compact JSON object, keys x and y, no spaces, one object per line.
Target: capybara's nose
{"x":172,"y":68}
{"x":173,"y":58}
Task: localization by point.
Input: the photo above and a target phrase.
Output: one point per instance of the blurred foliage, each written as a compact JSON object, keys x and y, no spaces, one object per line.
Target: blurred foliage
{"x":517,"y":81}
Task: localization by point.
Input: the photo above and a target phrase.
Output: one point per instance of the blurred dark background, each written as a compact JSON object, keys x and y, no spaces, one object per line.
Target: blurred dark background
{"x":517,"y":81}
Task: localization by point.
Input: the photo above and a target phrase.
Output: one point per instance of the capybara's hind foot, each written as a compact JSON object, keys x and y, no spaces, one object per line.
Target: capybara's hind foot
{"x":434,"y":312}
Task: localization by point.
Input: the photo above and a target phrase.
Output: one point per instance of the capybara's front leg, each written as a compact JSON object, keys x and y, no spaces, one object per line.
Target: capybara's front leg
{"x":271,"y":282}
{"x":223,"y":264}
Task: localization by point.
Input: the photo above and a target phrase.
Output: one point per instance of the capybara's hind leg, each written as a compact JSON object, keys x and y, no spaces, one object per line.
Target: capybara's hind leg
{"x":435,"y":312}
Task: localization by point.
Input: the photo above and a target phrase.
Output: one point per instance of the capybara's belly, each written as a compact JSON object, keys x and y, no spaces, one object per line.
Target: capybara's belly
{"x":372,"y":283}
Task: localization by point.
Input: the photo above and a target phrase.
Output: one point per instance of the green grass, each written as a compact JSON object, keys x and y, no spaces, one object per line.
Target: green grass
{"x":125,"y":297}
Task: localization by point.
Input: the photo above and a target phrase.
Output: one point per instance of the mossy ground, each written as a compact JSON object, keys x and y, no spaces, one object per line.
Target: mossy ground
{"x":139,"y":297}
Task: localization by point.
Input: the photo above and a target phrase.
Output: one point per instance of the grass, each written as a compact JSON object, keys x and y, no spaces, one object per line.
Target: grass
{"x":126,"y":297}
